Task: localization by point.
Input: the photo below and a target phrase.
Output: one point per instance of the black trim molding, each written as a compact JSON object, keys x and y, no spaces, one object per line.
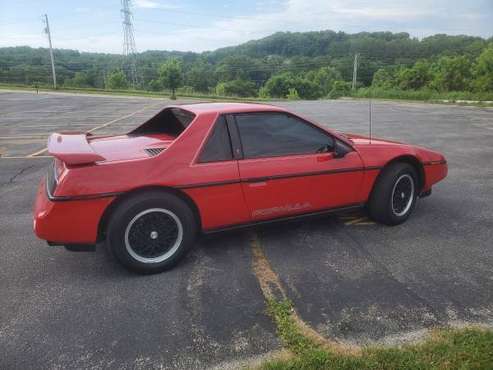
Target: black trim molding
{"x":431,"y":163}
{"x":207,"y":184}
{"x":66,"y":198}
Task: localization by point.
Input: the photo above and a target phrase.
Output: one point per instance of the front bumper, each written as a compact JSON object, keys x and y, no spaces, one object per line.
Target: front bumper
{"x":434,"y":172}
{"x":67,"y":221}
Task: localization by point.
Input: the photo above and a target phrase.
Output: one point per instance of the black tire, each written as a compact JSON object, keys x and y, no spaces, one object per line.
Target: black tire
{"x":389,"y":203}
{"x":151,"y":232}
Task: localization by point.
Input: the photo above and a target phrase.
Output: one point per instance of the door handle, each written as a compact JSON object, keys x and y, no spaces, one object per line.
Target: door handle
{"x":258,"y":179}
{"x":257,"y":182}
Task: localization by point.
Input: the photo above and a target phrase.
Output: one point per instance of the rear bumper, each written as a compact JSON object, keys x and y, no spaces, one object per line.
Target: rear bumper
{"x":67,"y":221}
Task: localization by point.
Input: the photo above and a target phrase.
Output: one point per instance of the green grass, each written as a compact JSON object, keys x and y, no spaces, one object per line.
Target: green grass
{"x":423,"y":95}
{"x":428,"y":96}
{"x":287,"y":330}
{"x":444,"y":349}
{"x":151,"y":94}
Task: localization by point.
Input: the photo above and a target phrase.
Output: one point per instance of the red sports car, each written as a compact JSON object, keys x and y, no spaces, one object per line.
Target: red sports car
{"x":208,"y":167}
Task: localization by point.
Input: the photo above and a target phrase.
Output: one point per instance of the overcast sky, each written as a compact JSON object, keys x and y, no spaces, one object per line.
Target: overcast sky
{"x":95,"y":25}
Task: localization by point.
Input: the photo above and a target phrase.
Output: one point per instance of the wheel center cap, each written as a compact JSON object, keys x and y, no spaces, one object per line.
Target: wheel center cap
{"x":154,"y":235}
{"x":403,"y":195}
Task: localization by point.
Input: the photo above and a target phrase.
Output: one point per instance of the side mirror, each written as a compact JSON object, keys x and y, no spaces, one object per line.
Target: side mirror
{"x":340,"y":149}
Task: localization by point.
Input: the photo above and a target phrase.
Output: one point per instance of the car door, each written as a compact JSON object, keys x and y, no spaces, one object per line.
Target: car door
{"x":289,"y":166}
{"x":217,"y":191}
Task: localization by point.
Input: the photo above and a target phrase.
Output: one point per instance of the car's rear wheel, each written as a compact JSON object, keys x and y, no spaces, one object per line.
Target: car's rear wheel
{"x":151,"y":232}
{"x":394,"y":195}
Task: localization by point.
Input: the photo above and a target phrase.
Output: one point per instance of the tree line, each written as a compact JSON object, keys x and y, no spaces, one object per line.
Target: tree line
{"x":307,"y":65}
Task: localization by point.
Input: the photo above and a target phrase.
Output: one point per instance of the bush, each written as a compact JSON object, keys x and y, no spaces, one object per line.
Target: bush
{"x":241,"y":88}
{"x":416,"y":77}
{"x":80,"y":79}
{"x":170,"y":75}
{"x":452,"y":74}
{"x":116,"y":80}
{"x":385,"y":78}
{"x":293,"y":94}
{"x":324,"y":78}
{"x":484,"y":71}
{"x":339,"y":89}
{"x":279,"y":86}
{"x":155,"y":85}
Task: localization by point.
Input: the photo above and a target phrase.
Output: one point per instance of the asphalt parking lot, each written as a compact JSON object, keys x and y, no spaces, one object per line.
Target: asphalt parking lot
{"x":350,"y":279}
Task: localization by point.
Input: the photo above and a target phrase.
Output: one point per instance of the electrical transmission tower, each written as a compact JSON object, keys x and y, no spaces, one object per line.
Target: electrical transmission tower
{"x":129,"y":49}
{"x":48,"y":33}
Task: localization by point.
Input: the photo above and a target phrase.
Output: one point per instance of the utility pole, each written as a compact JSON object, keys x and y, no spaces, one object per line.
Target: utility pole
{"x":355,"y":71}
{"x":129,"y":48}
{"x":47,"y":31}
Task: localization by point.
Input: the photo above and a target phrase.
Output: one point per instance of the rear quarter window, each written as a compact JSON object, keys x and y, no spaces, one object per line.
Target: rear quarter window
{"x":170,"y":121}
{"x":218,"y":145}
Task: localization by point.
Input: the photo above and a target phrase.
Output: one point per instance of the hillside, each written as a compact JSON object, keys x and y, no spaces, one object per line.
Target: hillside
{"x":300,"y":56}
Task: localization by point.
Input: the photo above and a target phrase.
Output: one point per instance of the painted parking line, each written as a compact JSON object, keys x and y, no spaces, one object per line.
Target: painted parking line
{"x":21,"y":157}
{"x":355,"y":221}
{"x":122,"y":118}
{"x":36,"y":154}
{"x":273,"y":291}
{"x":358,"y":220}
{"x":25,"y":137}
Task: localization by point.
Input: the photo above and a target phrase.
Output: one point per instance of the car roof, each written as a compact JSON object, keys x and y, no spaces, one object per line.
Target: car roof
{"x":200,"y":108}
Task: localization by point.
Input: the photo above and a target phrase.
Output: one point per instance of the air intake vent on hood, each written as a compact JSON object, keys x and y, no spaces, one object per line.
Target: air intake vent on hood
{"x":153,"y":151}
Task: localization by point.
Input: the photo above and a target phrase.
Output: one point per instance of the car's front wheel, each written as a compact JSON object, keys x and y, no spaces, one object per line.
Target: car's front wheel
{"x":151,"y":232}
{"x":394,"y":196}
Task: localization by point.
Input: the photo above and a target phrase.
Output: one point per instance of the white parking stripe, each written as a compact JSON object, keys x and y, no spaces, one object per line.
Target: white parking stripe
{"x":106,"y":124}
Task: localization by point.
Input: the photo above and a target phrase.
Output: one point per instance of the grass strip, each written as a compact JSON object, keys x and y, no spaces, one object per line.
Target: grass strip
{"x":469,"y":348}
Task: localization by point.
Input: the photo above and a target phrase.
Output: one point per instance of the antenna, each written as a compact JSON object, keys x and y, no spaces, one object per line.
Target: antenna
{"x":369,"y":114}
{"x":129,"y":48}
{"x":47,"y":31}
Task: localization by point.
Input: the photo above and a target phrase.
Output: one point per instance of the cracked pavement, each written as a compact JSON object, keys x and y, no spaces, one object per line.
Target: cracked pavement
{"x":350,"y":279}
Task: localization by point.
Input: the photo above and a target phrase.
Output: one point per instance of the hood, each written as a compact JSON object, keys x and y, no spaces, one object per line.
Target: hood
{"x":370,"y":147}
{"x":365,"y":140}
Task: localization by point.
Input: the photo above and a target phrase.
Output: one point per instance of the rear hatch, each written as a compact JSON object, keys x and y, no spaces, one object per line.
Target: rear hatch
{"x":79,"y":149}
{"x":147,"y":140}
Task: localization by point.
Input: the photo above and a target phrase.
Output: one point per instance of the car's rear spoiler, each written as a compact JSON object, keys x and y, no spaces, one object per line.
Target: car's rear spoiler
{"x":72,"y":148}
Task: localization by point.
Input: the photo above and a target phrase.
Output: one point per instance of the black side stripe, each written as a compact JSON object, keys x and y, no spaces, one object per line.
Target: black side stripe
{"x":218,"y":183}
{"x":279,"y":177}
{"x":317,"y":173}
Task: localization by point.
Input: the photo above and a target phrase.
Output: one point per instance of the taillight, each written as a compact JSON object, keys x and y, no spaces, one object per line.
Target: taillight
{"x":57,"y":169}
{"x":53,"y":176}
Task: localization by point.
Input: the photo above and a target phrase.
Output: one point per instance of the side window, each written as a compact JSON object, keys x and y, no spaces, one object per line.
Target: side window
{"x":277,"y":134}
{"x":218,"y":146}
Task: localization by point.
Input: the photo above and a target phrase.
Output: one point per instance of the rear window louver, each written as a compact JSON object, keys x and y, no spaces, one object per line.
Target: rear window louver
{"x":151,"y":152}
